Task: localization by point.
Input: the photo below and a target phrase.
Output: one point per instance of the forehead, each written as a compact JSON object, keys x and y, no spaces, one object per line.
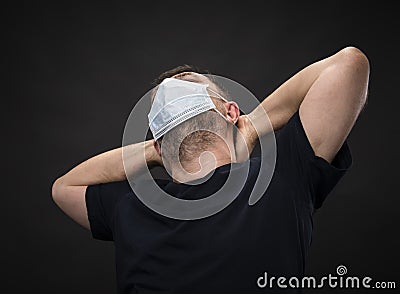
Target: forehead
{"x":196,"y":78}
{"x":192,"y":77}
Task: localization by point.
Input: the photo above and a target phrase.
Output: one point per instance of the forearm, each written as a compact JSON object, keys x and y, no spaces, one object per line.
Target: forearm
{"x":328,"y":94}
{"x":69,"y":190}
{"x":109,"y":166}
{"x":286,"y":100}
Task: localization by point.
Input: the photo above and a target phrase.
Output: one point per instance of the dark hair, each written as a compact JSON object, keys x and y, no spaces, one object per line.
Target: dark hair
{"x":177,"y":70}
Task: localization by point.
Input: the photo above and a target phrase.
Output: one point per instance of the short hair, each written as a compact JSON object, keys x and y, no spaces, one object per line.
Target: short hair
{"x":196,"y":140}
{"x":178,"y":70}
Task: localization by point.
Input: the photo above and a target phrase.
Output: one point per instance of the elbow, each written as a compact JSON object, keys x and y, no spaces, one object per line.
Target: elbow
{"x":56,"y":190}
{"x":355,"y":58}
{"x":356,"y":64}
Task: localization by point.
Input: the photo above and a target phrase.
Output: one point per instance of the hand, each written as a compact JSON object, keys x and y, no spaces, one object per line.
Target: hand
{"x":245,"y":139}
{"x":152,"y":156}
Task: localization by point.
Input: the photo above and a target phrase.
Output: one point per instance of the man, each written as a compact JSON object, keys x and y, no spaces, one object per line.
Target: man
{"x":228,"y":252}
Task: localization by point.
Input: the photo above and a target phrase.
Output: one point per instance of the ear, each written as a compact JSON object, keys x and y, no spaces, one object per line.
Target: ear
{"x":232,"y":111}
{"x":157,"y":146}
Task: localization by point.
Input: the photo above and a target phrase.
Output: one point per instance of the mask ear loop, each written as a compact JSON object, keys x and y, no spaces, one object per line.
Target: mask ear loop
{"x":216,"y":110}
{"x":235,"y":130}
{"x":211,"y":90}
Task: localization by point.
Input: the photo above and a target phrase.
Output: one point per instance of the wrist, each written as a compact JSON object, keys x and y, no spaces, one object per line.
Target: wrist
{"x":152,"y":157}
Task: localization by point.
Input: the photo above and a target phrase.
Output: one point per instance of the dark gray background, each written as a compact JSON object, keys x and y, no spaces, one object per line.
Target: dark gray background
{"x":74,"y":73}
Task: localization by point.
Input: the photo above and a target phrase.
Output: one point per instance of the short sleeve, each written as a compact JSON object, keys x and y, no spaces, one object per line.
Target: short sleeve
{"x":101,"y":201}
{"x":315,"y":174}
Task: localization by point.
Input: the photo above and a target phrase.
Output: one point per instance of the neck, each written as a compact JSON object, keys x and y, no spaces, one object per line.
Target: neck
{"x":201,"y":165}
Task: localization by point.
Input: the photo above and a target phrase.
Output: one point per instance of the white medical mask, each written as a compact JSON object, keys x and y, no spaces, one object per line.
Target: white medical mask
{"x":177,"y":101}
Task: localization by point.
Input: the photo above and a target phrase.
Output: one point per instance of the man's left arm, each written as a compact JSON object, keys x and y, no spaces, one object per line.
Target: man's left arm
{"x":69,"y":190}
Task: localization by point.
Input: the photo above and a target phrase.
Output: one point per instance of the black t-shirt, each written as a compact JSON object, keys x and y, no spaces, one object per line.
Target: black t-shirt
{"x":229,"y":251}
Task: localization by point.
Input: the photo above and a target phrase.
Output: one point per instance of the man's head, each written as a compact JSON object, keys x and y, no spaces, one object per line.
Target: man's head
{"x":191,"y":138}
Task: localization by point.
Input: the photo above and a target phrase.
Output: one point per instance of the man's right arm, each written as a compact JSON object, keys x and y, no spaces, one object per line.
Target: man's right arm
{"x":333,"y":91}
